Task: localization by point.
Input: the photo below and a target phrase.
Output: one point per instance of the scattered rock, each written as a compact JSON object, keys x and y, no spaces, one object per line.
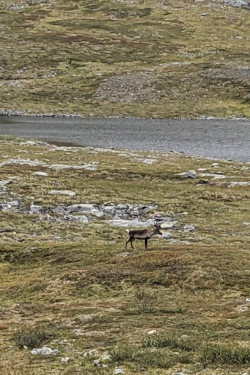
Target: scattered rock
{"x":57,"y":238}
{"x":12,"y":206}
{"x":80,"y":218}
{"x":165,"y":235}
{"x":83,"y":208}
{"x":214,"y":175}
{"x":111,"y":210}
{"x":152,"y":332}
{"x":62,"y":192}
{"x":238,"y":183}
{"x":190,"y":174}
{"x":5,"y":182}
{"x":238,"y":3}
{"x":105,"y":357}
{"x":146,"y":160}
{"x":124,"y":254}
{"x":123,"y":215}
{"x":87,"y":166}
{"x":130,"y":223}
{"x":64,"y":342}
{"x":28,"y":143}
{"x":65,"y":359}
{"x":179,"y":242}
{"x":189,"y":228}
{"x":96,"y":363}
{"x":63,"y":148}
{"x":46,"y":351}
{"x":34,"y":209}
{"x":84,"y":318}
{"x":78,"y":332}
{"x":118,"y":371}
{"x":90,"y":353}
{"x":41,"y":174}
{"x":92,"y":166}
{"x":242,"y":308}
{"x":168,"y":225}
{"x":31,"y":163}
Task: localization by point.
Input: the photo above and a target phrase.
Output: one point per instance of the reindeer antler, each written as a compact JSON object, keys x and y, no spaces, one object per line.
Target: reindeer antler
{"x":156,"y":224}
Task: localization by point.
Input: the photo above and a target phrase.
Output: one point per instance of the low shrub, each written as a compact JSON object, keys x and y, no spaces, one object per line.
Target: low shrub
{"x":146,"y":300}
{"x":223,"y":354}
{"x":32,"y":338}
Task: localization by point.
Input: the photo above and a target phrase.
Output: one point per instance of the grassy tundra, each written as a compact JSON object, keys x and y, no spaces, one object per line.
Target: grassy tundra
{"x":143,"y":58}
{"x":180,"y":306}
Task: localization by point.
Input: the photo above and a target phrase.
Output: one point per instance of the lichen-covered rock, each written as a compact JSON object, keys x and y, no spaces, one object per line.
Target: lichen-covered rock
{"x":46,"y":351}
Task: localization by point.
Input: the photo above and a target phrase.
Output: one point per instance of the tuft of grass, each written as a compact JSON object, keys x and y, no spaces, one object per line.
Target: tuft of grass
{"x":168,"y":341}
{"x":221,"y":354}
{"x":143,"y":358}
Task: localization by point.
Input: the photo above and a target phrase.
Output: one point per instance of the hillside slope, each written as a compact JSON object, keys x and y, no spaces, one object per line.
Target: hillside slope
{"x":144,"y":58}
{"x":68,"y":283}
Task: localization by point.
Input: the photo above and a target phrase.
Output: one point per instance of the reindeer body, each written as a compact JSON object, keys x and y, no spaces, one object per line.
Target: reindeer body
{"x":142,"y":234}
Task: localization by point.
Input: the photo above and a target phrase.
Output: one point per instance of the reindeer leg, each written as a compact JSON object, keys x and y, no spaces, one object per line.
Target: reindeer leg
{"x":146,"y":243}
{"x":131,"y":241}
{"x":127,"y":243}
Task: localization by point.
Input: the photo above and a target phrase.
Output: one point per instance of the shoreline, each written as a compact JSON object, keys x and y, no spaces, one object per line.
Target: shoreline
{"x":10,"y":113}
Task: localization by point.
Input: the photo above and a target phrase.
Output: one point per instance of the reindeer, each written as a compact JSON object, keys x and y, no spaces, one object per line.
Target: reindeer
{"x":142,"y":234}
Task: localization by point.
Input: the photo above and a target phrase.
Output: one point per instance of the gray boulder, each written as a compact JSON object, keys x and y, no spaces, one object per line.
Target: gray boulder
{"x":62,"y":192}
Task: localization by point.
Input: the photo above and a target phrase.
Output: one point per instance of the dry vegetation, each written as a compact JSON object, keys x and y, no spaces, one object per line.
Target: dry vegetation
{"x":143,"y":58}
{"x":71,"y":286}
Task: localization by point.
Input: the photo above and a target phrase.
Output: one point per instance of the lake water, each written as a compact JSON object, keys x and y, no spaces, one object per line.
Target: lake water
{"x":221,"y":139}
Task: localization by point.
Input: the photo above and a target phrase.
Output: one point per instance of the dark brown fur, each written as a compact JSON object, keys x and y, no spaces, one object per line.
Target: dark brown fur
{"x":142,"y":234}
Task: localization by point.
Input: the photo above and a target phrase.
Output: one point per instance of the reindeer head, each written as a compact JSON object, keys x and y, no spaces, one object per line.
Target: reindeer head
{"x":157,"y":229}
